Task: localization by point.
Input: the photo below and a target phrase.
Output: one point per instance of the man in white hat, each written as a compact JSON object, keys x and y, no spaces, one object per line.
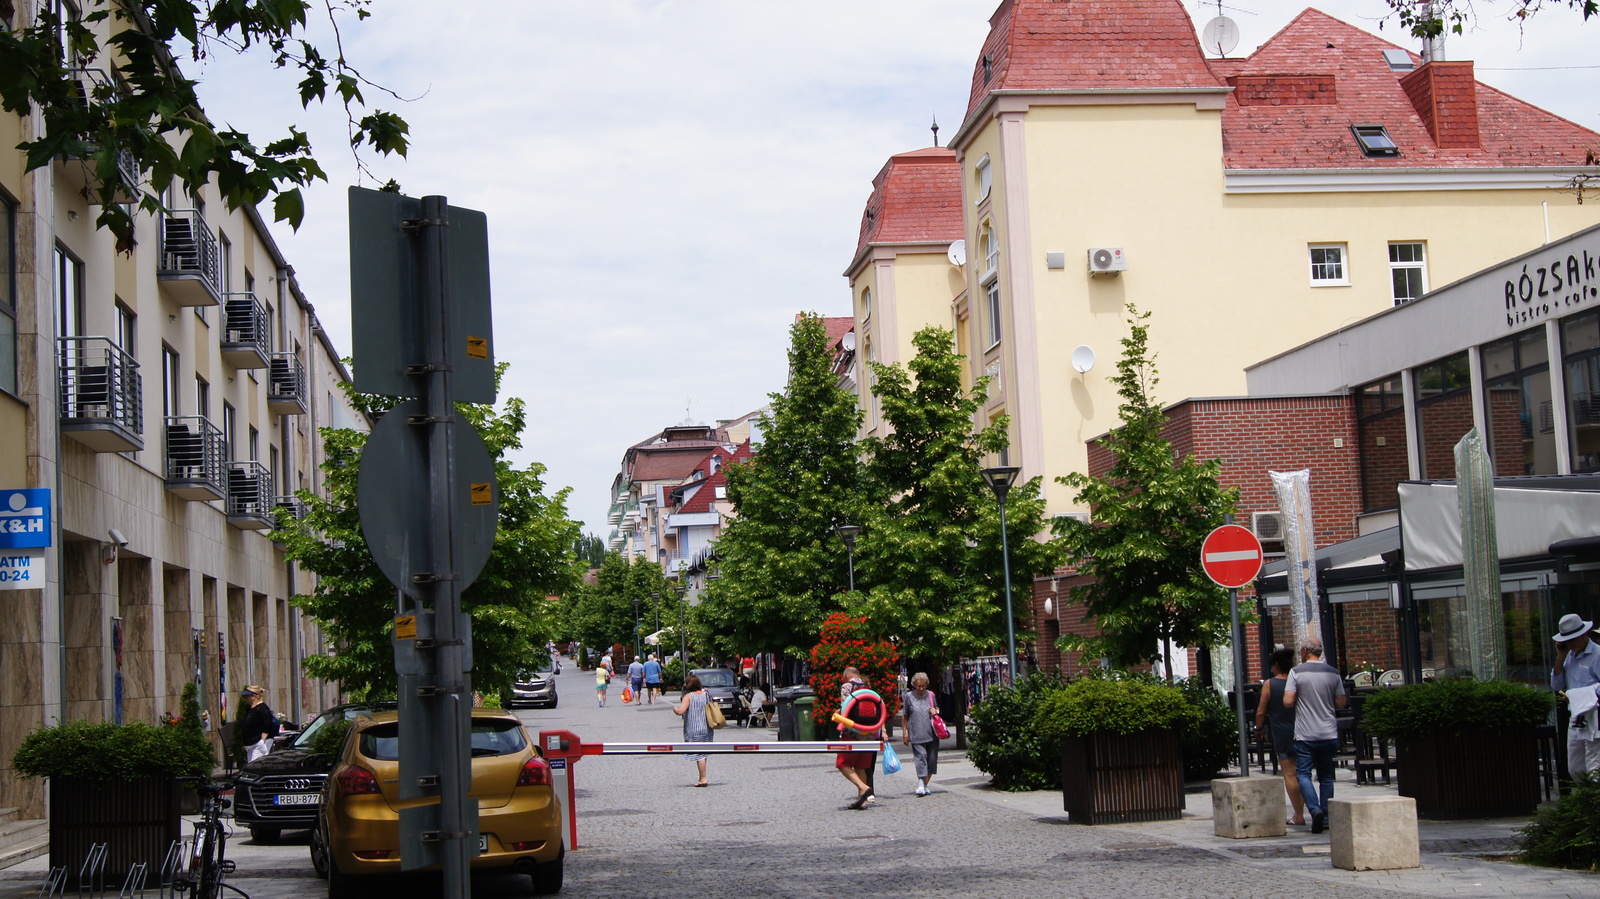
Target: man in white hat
{"x":1577,"y":674}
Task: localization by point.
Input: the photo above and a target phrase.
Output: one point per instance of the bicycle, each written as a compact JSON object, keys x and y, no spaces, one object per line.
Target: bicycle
{"x":208,"y":865}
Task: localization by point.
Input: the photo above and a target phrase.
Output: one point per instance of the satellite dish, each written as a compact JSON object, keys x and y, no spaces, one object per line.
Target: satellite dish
{"x":848,"y":341}
{"x":1220,"y":36}
{"x":1082,"y":359}
{"x":957,"y":254}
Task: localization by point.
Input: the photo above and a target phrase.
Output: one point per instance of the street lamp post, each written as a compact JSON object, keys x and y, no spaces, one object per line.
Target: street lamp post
{"x":637,"y":653}
{"x":847,"y":533}
{"x":683,"y":638}
{"x":1000,"y":478}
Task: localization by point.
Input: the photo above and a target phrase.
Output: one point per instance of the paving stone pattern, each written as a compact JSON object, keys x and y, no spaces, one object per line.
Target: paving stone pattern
{"x":776,"y":826}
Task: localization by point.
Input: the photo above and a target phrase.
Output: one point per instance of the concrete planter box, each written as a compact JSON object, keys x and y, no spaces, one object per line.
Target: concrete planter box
{"x":1109,"y":778}
{"x":1494,"y":774}
{"x":137,"y":819}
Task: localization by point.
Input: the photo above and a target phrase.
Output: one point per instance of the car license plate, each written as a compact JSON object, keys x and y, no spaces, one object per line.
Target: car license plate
{"x":295,"y":799}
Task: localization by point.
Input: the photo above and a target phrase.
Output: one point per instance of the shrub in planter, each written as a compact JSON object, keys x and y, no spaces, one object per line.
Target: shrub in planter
{"x":1004,"y":743}
{"x":1567,"y":834}
{"x":1211,"y":742}
{"x":1465,"y":748}
{"x":1118,"y":704}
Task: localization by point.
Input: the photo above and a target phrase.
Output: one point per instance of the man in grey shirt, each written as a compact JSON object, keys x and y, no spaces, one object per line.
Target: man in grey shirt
{"x":1314,"y":690}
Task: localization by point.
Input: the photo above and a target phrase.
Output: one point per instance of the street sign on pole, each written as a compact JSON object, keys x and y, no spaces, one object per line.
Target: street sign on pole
{"x":1231,"y":556}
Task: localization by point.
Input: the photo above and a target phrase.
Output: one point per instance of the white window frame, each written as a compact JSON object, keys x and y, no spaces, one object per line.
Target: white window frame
{"x":1419,"y":264}
{"x":984,"y":172}
{"x":866,"y":304}
{"x":991,"y":304}
{"x":1343,"y":263}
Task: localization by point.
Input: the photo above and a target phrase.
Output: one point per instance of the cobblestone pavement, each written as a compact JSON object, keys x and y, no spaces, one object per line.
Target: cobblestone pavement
{"x":776,"y":826}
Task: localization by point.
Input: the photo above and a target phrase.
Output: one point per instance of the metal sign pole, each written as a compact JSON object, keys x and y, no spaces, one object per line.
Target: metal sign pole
{"x":453,"y":740}
{"x":1237,"y":633}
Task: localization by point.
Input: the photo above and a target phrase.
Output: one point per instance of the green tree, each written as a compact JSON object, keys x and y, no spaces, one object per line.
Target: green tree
{"x":931,"y":548}
{"x":603,"y":613}
{"x":141,"y":107}
{"x":781,"y":565}
{"x":590,"y":550}
{"x":355,"y":604}
{"x":1151,"y":513}
{"x":1434,"y":19}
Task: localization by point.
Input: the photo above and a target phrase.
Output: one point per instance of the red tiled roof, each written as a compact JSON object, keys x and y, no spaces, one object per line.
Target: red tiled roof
{"x":1296,"y":97}
{"x":916,"y":196}
{"x":706,"y":494}
{"x":838,"y":326}
{"x":668,"y":462}
{"x":1056,"y":45}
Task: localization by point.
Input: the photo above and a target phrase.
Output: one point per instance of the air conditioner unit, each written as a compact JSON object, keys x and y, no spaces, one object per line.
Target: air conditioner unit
{"x":1107,"y":261}
{"x":1268,"y":528}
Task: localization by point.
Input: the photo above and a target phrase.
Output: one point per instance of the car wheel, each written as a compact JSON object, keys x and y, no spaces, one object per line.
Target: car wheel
{"x":554,"y":700}
{"x":547,"y":877}
{"x":340,"y":885}
{"x":319,"y":854}
{"x":265,"y":835}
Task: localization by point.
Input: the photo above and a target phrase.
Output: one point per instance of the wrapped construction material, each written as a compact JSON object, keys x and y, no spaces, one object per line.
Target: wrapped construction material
{"x":1300,"y":550}
{"x":1478,"y":616}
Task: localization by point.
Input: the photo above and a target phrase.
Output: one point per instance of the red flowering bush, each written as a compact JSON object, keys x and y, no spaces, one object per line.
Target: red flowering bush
{"x":850,"y":642}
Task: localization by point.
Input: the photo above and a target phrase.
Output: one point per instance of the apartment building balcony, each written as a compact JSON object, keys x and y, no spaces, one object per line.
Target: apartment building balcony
{"x":80,"y":171}
{"x":250,"y":501}
{"x":615,"y":541}
{"x":196,"y":459}
{"x":102,"y":395}
{"x":615,"y":515}
{"x":188,"y":267}
{"x":286,"y":385}
{"x":245,"y":338}
{"x":290,"y":506}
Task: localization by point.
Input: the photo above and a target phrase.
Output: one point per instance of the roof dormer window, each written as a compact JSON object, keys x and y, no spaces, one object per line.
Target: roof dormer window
{"x":1398,"y":60}
{"x":1375,"y":140}
{"x":988,"y":67}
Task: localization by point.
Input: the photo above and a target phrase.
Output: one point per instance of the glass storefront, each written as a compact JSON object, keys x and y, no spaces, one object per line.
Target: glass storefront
{"x":1444,"y":413}
{"x":1521,"y":422}
{"x":1580,"y":339}
{"x":1381,"y":419}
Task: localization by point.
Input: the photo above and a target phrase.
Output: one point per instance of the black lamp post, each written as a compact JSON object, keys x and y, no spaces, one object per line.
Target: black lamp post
{"x":847,"y":533}
{"x":636,"y":632}
{"x":683,"y":637}
{"x":656,"y":598}
{"x":1000,"y":478}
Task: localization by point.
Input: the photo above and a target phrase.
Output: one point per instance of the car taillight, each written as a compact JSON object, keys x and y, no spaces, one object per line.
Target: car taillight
{"x":355,"y":781}
{"x":535,"y":773}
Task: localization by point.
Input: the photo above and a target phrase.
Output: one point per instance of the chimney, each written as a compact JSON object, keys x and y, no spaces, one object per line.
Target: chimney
{"x":1445,"y":95}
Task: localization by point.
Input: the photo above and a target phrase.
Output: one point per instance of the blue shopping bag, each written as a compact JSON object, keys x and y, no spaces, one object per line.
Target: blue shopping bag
{"x":891,"y":761}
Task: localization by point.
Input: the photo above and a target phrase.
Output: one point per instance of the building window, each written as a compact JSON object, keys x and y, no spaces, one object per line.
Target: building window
{"x":984,"y":172}
{"x":1328,"y":265}
{"x":1408,"y":271}
{"x":866,"y":303}
{"x":988,"y":67}
{"x":991,"y":302}
{"x":1444,"y":413}
{"x":1518,"y":415}
{"x":69,"y":294}
{"x":125,"y":335}
{"x":1381,"y":423}
{"x":8,"y":293}
{"x":171,"y":377}
{"x":202,"y":397}
{"x":1374,"y":140}
{"x":1580,"y":340}
{"x":230,"y":431}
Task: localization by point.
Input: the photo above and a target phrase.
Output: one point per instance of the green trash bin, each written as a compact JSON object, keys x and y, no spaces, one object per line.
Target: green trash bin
{"x":805,"y":728}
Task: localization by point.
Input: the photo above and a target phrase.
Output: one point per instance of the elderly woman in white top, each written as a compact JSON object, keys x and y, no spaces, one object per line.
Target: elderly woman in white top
{"x":917,"y":708}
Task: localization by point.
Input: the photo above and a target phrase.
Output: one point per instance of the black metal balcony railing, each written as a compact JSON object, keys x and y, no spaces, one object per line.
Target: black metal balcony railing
{"x":102,"y":394}
{"x":286,"y":385}
{"x":290,"y":506}
{"x":196,"y":456}
{"x":189,"y":258}
{"x":246,"y":342}
{"x":250,"y":500}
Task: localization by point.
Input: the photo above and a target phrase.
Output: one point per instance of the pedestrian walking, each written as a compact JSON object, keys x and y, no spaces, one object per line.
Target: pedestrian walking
{"x":602,"y":681}
{"x":855,"y":766}
{"x":696,"y":729}
{"x":652,"y":678}
{"x":1576,"y":676}
{"x":636,"y":680}
{"x":1278,"y":721}
{"x":257,"y":726}
{"x":1314,"y":690}
{"x":917,"y":708}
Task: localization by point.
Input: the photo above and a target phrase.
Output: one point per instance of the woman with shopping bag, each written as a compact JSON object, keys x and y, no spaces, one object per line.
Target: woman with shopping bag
{"x":918,"y":710}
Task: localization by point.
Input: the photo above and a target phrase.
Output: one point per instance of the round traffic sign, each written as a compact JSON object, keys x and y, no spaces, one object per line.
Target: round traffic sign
{"x":1231,"y":556}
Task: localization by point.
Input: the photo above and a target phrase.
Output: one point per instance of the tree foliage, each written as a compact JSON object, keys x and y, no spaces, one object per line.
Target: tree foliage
{"x":590,"y":550}
{"x":355,"y":604}
{"x":1434,"y":19}
{"x":108,"y":89}
{"x":603,"y":612}
{"x":782,"y":567}
{"x":1151,"y":514}
{"x":929,"y":560}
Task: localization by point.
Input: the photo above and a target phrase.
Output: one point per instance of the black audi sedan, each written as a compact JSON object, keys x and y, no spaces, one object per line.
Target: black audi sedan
{"x":279,"y":791}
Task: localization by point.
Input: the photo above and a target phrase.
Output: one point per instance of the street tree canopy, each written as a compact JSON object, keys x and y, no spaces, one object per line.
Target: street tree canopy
{"x":1425,"y":20}
{"x":1151,"y":513}
{"x":355,"y":604}
{"x":110,"y":93}
{"x":781,"y":565}
{"x":602,"y":613}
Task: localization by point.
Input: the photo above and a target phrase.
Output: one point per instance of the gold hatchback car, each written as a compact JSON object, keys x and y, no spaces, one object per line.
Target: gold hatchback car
{"x":358,"y":823}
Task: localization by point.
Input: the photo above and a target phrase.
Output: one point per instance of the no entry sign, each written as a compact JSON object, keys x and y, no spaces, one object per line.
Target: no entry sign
{"x":1231,"y":556}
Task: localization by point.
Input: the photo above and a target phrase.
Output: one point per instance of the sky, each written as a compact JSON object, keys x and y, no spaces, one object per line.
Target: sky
{"x":669,"y":182}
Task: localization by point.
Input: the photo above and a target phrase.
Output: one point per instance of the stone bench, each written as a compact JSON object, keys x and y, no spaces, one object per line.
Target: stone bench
{"x":1378,"y":834}
{"x":1243,"y":807}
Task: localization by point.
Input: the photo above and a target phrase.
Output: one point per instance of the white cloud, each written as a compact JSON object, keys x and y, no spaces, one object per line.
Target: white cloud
{"x":669,"y":181}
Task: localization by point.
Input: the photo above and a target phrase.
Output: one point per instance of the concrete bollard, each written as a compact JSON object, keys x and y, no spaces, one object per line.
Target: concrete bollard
{"x":1378,"y":834}
{"x":1248,"y":807}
